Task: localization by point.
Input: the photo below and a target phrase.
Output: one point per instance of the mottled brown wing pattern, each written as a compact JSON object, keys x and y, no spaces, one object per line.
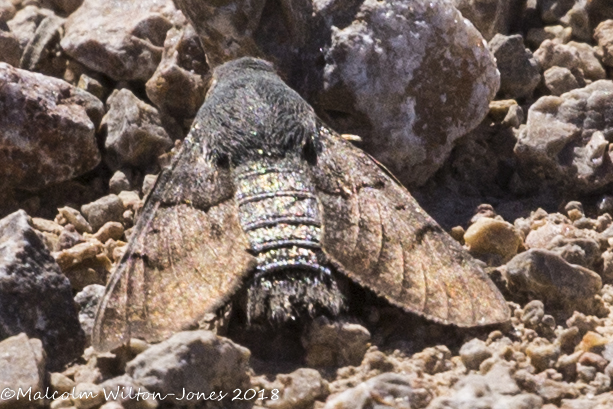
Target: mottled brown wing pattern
{"x":187,"y":256}
{"x":376,"y":233}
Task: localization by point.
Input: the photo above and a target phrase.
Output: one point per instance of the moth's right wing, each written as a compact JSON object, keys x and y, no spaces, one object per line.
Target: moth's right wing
{"x":187,"y":256}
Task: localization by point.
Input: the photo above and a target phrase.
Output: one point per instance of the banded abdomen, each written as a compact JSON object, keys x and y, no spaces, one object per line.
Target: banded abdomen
{"x":279,"y":212}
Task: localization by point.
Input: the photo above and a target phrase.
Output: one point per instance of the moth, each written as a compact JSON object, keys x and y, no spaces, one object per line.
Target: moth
{"x":266,"y":202}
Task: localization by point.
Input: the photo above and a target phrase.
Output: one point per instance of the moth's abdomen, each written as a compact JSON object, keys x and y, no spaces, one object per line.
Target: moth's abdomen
{"x":279,"y":212}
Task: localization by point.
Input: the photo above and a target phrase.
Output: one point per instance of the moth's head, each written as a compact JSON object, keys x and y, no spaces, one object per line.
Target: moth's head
{"x":239,"y":67}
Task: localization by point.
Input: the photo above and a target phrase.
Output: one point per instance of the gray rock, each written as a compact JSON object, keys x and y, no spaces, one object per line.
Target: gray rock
{"x":299,"y":389}
{"x":177,"y":87}
{"x":499,"y":379}
{"x":559,"y":80}
{"x":88,"y":300}
{"x":10,"y":50}
{"x":75,"y":218}
{"x":490,"y":17}
{"x":577,"y":18}
{"x":388,"y":390}
{"x":48,"y":129}
{"x":335,"y":343}
{"x":22,"y":366}
{"x":572,"y":55}
{"x":474,"y":352}
{"x":35,"y":297}
{"x":604,"y":36}
{"x":192,"y":361}
{"x":106,"y":209}
{"x":519,"y":70}
{"x":134,"y":132}
{"x":439,"y":79}
{"x":533,"y":314}
{"x":473,"y":391}
{"x":93,"y":86}
{"x":583,"y":251}
{"x":566,"y":138}
{"x":119,"y":182}
{"x":548,"y":277}
{"x":69,"y":237}
{"x":127,"y":43}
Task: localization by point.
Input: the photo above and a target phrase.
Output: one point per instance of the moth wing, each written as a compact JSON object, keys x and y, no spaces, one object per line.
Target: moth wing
{"x":187,"y":256}
{"x":376,"y":233}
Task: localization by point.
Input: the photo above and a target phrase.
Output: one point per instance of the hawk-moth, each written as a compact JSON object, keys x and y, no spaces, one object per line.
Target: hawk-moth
{"x":265,"y":200}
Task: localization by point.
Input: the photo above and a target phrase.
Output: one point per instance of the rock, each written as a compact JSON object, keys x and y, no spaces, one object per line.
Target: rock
{"x":128,"y":40}
{"x":548,"y":277}
{"x":299,"y":389}
{"x":60,"y":383}
{"x":594,"y":360}
{"x":225,"y":28}
{"x":177,"y":87}
{"x":474,"y":392}
{"x":88,"y":300}
{"x":542,"y":356}
{"x":48,"y":129}
{"x":93,"y":86}
{"x":22,"y":368}
{"x":553,"y":10}
{"x":334,"y":343}
{"x":119,"y":182}
{"x":106,"y":209}
{"x":533,"y":314}
{"x":592,"y":342}
{"x":578,"y":20}
{"x":491,"y":236}
{"x":114,"y":387}
{"x":130,"y":200}
{"x":42,"y":51}
{"x":10,"y":50}
{"x":110,"y":230}
{"x":604,"y":36}
{"x":387,"y":390}
{"x":192,"y":361}
{"x":565,"y":138}
{"x":35,"y":297}
{"x":75,"y":218}
{"x":404,"y":115}
{"x":148,"y":183}
{"x":599,"y":10}
{"x":88,"y":396}
{"x":490,"y":17}
{"x":134,"y":132}
{"x":499,"y":379}
{"x":473,"y":353}
{"x":572,"y":56}
{"x":26,"y":21}
{"x":69,"y":237}
{"x":559,"y":80}
{"x":7,"y":10}
{"x":519,"y":71}
{"x":66,"y":7}
{"x":582,"y":251}
{"x":46,"y":225}
{"x":558,"y":34}
{"x":84,"y":264}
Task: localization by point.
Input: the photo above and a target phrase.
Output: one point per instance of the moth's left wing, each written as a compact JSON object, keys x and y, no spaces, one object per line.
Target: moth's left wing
{"x":375,"y":233}
{"x":186,"y":257}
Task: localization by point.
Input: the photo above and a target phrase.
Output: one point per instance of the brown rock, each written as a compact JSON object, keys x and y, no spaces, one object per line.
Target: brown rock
{"x":335,"y":343}
{"x":489,"y":17}
{"x":559,"y":80}
{"x":22,"y":366}
{"x":110,"y":230}
{"x":48,"y":129}
{"x":491,"y":236}
{"x":299,"y":389}
{"x":594,"y":360}
{"x":127,"y":43}
{"x":10,"y":50}
{"x":572,"y":55}
{"x":7,"y":10}
{"x":177,"y":87}
{"x":604,"y":36}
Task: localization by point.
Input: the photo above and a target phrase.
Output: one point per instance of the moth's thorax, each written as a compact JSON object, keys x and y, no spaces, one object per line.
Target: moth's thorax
{"x":279,"y":212}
